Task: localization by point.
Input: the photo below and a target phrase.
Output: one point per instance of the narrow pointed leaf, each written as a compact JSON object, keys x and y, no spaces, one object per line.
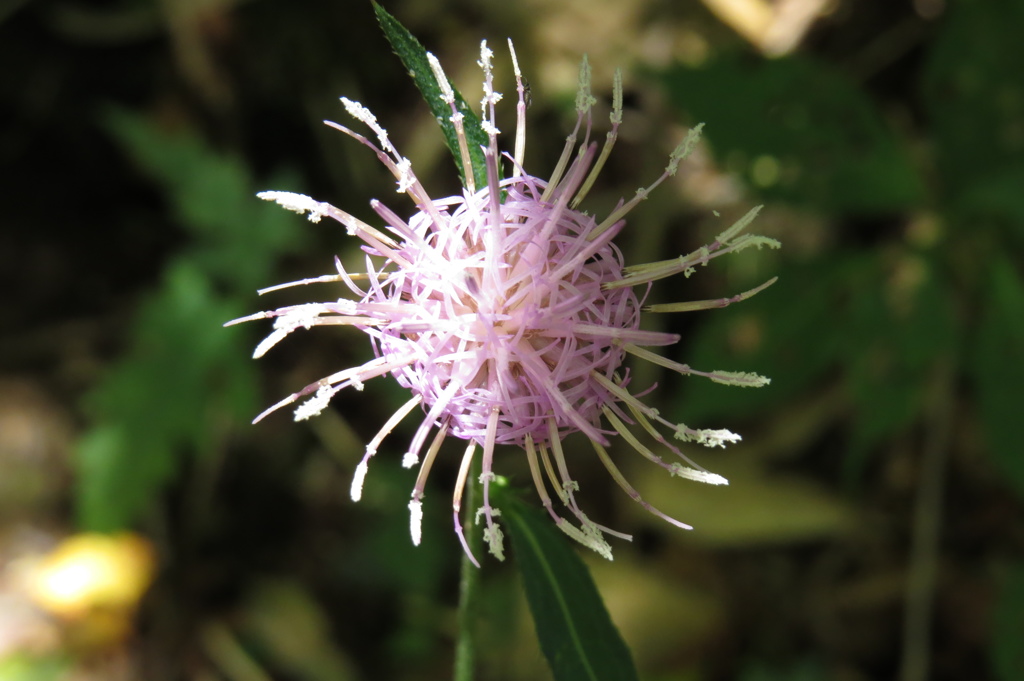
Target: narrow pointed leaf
{"x":577,"y":635}
{"x":414,"y":58}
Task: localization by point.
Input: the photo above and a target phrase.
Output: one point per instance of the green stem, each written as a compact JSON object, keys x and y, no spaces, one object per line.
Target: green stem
{"x":469,"y":582}
{"x":927,"y":528}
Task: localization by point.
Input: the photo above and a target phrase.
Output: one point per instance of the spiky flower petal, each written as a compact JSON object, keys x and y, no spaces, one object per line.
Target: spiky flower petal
{"x":508,"y":314}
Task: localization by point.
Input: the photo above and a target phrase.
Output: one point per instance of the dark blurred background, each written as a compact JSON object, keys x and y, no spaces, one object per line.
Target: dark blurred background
{"x":872,"y":529}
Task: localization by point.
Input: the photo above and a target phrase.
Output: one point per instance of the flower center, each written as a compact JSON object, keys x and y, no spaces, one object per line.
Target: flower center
{"x":512,"y":315}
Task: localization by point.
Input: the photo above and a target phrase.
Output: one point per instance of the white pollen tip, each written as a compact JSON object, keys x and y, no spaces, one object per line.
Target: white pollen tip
{"x":698,"y":475}
{"x":270,"y":341}
{"x":357,"y":481}
{"x":515,"y":60}
{"x":416,"y":521}
{"x":299,"y":203}
{"x":314,"y":405}
{"x":495,"y":539}
{"x":684,"y":149}
{"x":406,"y":179}
{"x":716,"y":437}
{"x":410,"y":460}
{"x":584,"y":100}
{"x":447,"y":94}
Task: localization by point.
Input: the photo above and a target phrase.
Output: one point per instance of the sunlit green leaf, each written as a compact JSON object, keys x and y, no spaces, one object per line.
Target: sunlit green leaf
{"x":414,"y":58}
{"x":182,"y":377}
{"x":19,"y":666}
{"x":574,"y":628}
{"x":757,"y":508}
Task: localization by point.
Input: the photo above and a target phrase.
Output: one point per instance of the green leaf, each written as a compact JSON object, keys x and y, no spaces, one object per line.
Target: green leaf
{"x":998,"y":367}
{"x":115,"y":483}
{"x":21,"y":666}
{"x":236,"y":238}
{"x":800,"y":131}
{"x":414,"y":58}
{"x":575,"y":631}
{"x":182,"y":380}
{"x":734,"y":515}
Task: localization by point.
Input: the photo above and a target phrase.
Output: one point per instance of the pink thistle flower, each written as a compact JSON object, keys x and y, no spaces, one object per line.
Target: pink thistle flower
{"x":508,"y":314}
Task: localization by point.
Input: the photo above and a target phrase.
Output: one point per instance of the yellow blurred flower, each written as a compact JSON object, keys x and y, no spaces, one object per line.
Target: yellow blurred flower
{"x":86,"y":572}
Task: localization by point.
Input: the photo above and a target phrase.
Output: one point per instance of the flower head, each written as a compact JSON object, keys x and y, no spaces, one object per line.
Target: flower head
{"x":508,"y":314}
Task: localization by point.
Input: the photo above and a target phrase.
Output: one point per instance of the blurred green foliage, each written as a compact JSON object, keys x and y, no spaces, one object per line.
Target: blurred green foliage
{"x":803,"y":671}
{"x":998,"y":367}
{"x":827,"y":146}
{"x":884,"y":317}
{"x":183,"y":380}
{"x":847,"y":311}
{"x":975,"y":102}
{"x":23,"y":667}
{"x":1006,"y":652}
